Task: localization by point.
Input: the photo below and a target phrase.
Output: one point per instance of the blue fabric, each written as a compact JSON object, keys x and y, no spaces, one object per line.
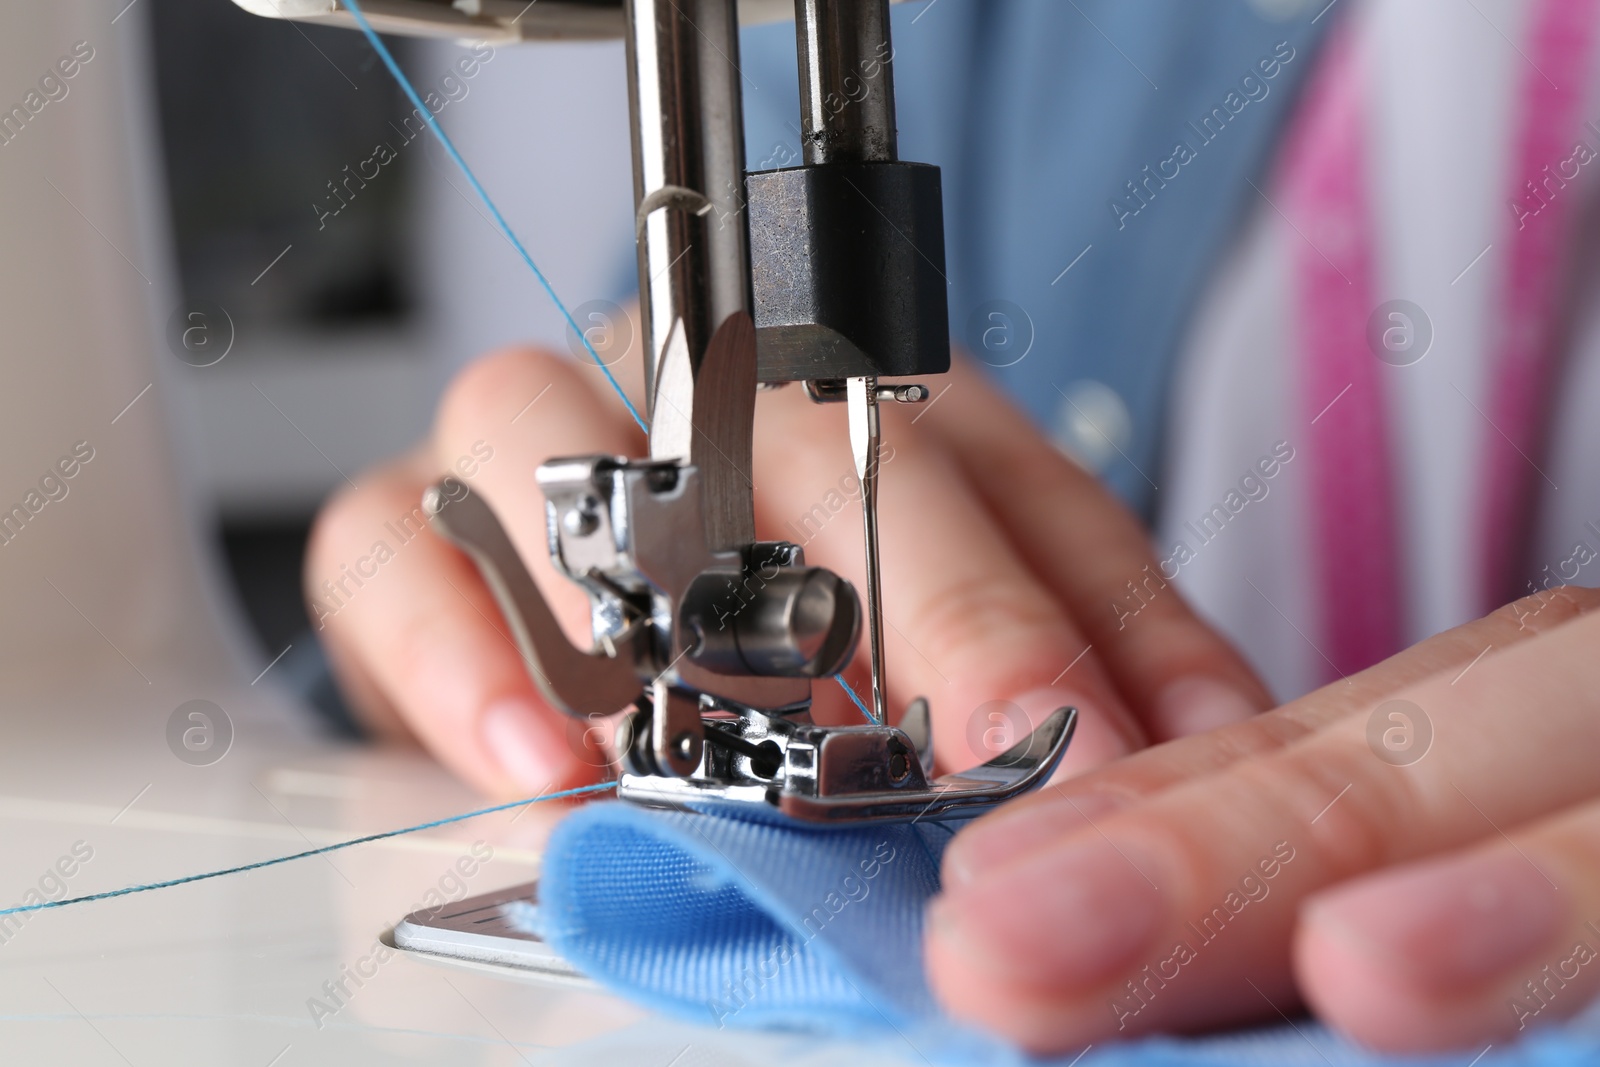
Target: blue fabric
{"x":746,"y":925}
{"x":1040,"y":113}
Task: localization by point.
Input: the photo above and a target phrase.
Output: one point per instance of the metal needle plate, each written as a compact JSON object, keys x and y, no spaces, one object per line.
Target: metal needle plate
{"x":482,"y":929}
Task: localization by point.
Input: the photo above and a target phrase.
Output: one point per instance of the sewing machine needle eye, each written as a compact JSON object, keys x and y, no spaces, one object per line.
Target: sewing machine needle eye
{"x":865,"y":436}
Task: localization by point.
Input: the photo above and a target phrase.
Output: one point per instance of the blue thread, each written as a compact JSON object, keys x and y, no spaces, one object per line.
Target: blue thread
{"x":853,"y":699}
{"x":581,"y":790}
{"x":505,"y":229}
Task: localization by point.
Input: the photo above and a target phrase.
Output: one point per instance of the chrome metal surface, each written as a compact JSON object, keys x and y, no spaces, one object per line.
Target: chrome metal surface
{"x":702,"y":738}
{"x":850,"y":774}
{"x":782,"y":621}
{"x":650,"y":545}
{"x":493,"y":928}
{"x":865,"y":439}
{"x":903,"y":394}
{"x":837,"y":391}
{"x":492,"y":20}
{"x":827,"y":390}
{"x":724,"y":424}
{"x":677,"y":737}
{"x":574,"y":681}
{"x":672,"y":396}
{"x":917,"y":725}
{"x":846,"y":81}
{"x":688,"y":174}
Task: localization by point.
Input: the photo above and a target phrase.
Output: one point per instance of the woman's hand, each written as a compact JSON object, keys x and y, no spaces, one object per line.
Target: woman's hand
{"x":1417,"y":895}
{"x":1001,"y":560}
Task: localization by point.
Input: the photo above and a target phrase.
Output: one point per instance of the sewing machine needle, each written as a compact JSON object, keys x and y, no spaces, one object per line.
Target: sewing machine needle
{"x":865,"y":437}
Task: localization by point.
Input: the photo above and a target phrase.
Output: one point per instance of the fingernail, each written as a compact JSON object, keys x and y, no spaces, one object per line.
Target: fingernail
{"x":513,"y":735}
{"x":1013,"y":834}
{"x":1066,"y":919}
{"x":1446,"y":924}
{"x":1199,"y":703}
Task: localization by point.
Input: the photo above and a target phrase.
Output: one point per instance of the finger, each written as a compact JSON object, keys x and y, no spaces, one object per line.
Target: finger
{"x":1177,"y":673}
{"x":428,"y":635}
{"x":967,"y":623}
{"x":369,"y":705}
{"x":408,"y":613}
{"x":520,"y":407}
{"x":1231,"y":856}
{"x":1034,"y":822}
{"x":513,"y":410}
{"x":1462,"y":950}
{"x":615,"y":334}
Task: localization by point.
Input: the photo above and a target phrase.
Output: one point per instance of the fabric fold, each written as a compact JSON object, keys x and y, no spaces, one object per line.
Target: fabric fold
{"x":749,"y":925}
{"x":733,"y":923}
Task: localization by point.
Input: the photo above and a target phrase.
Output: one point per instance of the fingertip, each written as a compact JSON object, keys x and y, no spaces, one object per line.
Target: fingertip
{"x":968,"y":989}
{"x":982,"y":976}
{"x":345,"y":522}
{"x":1346,"y":987}
{"x":530,"y":753}
{"x":1407,"y":960}
{"x":1029,"y":921}
{"x":1362,"y":995}
{"x":979,"y":996}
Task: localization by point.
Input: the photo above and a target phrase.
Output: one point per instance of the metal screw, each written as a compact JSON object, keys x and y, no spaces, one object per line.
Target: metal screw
{"x":899,"y":761}
{"x":832,"y":391}
{"x":583,"y":518}
{"x":903,"y":394}
{"x":662,"y":479}
{"x":684,"y":744}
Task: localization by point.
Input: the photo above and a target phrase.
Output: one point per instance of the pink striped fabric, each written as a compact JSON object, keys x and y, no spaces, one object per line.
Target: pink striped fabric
{"x":1524,"y":359}
{"x":1323,"y":192}
{"x":1325,"y":198}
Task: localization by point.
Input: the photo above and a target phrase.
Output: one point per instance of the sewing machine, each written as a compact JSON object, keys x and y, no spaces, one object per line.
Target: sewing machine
{"x":830,"y":274}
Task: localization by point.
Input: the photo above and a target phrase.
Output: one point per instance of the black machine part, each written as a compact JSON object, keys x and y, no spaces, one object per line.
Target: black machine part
{"x":847,"y":262}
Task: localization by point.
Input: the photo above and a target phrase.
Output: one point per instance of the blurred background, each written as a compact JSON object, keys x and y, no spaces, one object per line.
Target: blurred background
{"x":344,"y":303}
